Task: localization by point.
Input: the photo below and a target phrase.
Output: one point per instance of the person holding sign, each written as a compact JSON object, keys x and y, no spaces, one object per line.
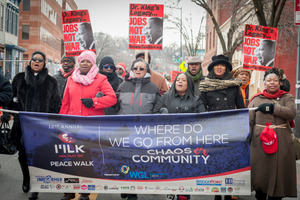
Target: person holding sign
{"x":154,"y":31}
{"x":220,"y":91}
{"x":273,"y":169}
{"x":85,"y":37}
{"x":265,"y":53}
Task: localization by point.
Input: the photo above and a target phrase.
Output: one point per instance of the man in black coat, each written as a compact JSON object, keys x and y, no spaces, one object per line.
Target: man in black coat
{"x":6,"y":94}
{"x":195,"y":72}
{"x":284,"y":83}
{"x":68,"y":67}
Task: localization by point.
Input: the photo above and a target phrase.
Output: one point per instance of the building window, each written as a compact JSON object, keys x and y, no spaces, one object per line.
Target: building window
{"x":2,"y":17}
{"x":206,"y":41}
{"x":26,"y":5}
{"x":209,"y":40}
{"x":6,"y":19}
{"x":214,"y":37}
{"x":25,"y":32}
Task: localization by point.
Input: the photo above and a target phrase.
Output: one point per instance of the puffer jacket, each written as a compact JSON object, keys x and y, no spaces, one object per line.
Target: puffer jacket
{"x":179,"y":104}
{"x":72,"y":104}
{"x":137,"y":96}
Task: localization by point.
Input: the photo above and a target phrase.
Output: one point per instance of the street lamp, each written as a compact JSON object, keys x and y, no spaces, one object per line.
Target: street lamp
{"x":180,"y":28}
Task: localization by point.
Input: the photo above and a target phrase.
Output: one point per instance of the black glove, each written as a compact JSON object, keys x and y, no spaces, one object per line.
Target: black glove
{"x":163,"y":110}
{"x":87,"y":102}
{"x":266,"y":108}
{"x":5,"y":117}
{"x":99,"y":94}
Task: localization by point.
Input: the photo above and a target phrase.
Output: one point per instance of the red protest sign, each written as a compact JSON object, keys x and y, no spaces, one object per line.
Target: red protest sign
{"x":297,"y":12}
{"x":259,"y":47}
{"x":174,"y":74}
{"x":146,"y":26}
{"x":78,"y":34}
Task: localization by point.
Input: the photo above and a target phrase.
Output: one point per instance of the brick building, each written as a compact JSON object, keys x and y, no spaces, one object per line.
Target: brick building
{"x":40,"y":27}
{"x":221,"y":15}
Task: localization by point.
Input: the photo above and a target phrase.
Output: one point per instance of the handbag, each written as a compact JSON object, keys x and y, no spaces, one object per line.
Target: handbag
{"x":7,"y":146}
{"x":295,"y":140}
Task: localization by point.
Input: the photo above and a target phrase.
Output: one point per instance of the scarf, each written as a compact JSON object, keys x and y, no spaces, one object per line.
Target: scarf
{"x":66,"y":74}
{"x":85,"y":79}
{"x":112,"y":78}
{"x":278,"y":94}
{"x":196,"y":77}
{"x":209,"y":85}
{"x":245,"y":94}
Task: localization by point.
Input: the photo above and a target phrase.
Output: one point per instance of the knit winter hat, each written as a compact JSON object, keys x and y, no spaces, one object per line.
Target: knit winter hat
{"x":72,"y":58}
{"x":87,"y":55}
{"x":123,"y":66}
{"x":42,"y":54}
{"x":238,"y":70}
{"x":107,"y":60}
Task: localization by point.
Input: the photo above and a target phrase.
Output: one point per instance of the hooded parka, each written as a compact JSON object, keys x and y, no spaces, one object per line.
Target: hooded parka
{"x":273,"y":174}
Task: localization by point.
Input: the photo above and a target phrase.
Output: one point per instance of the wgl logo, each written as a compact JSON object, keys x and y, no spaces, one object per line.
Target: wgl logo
{"x":228,"y":180}
{"x":138,"y":175}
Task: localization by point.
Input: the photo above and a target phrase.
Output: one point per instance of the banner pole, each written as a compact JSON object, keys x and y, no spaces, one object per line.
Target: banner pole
{"x":146,"y":56}
{"x":9,"y":111}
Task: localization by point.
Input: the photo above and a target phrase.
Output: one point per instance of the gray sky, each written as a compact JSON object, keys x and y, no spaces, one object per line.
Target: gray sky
{"x":111,"y":16}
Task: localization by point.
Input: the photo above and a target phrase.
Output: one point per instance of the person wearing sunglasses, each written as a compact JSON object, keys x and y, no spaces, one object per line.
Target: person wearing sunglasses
{"x":34,"y":90}
{"x":156,"y":77}
{"x":66,"y":70}
{"x":137,"y":95}
{"x":121,"y":69}
{"x":108,"y":69}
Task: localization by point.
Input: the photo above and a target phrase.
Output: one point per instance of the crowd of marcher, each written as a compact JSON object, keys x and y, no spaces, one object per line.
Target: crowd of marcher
{"x":108,"y":89}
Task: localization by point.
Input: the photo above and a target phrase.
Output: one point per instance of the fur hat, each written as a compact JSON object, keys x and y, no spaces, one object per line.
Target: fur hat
{"x":72,"y":58}
{"x":123,"y":66}
{"x":87,"y":55}
{"x":219,"y":59}
{"x":42,"y":54}
{"x":238,"y":70}
{"x":107,"y":60}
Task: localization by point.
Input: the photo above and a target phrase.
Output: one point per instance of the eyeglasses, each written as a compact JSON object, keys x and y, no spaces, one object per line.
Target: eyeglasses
{"x":135,"y":69}
{"x":35,"y":59}
{"x":119,"y":68}
{"x":67,"y":61}
{"x":108,"y":66}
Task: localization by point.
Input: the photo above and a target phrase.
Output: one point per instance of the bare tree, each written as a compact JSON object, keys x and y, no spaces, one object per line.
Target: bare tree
{"x":192,"y":43}
{"x":268,"y":12}
{"x":240,"y":11}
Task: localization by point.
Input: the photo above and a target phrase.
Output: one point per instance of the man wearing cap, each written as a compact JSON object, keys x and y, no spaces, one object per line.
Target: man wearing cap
{"x":155,"y":78}
{"x":284,"y":83}
{"x":66,"y":70}
{"x":244,"y":75}
{"x":195,"y":72}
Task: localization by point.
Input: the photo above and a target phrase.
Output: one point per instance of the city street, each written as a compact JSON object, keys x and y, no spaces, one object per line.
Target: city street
{"x":11,"y":181}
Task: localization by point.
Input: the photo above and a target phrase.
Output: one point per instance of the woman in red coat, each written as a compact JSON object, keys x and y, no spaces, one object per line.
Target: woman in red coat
{"x":80,"y":95}
{"x":82,"y":87}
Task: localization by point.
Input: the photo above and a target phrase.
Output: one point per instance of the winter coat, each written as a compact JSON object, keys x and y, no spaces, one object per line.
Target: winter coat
{"x":6,"y":91}
{"x":179,"y":104}
{"x":72,"y":104}
{"x":137,"y":96}
{"x":159,"y":81}
{"x":225,"y":99}
{"x":273,"y":174}
{"x":285,"y":84}
{"x":33,"y":94}
{"x":62,"y":81}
